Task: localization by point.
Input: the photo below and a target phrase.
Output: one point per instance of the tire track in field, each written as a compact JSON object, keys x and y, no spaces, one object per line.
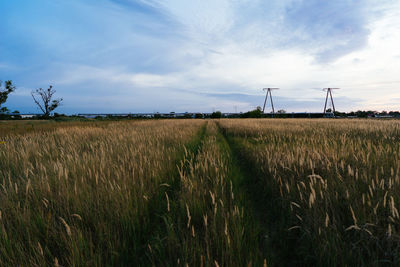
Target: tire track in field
{"x":154,"y":241}
{"x":244,"y":178}
{"x":264,"y":206}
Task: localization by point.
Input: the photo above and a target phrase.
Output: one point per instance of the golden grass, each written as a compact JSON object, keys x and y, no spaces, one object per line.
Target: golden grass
{"x":79,"y":192}
{"x":200,"y":193}
{"x":338,"y":178}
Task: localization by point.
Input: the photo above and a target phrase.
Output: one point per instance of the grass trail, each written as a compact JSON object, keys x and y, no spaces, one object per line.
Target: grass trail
{"x":207,"y":222}
{"x":169,"y":191}
{"x":275,"y":242}
{"x":253,"y":200}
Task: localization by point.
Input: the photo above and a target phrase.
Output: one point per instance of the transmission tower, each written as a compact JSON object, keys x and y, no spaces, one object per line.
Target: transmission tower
{"x":268,"y":90}
{"x":329,"y":94}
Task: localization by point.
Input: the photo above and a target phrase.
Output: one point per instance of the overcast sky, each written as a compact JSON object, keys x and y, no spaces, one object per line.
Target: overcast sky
{"x":201,"y":55}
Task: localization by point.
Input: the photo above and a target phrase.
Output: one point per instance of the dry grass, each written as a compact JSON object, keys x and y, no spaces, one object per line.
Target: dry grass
{"x":208,"y":224}
{"x":20,"y":127}
{"x":338,"y":180}
{"x":190,"y":192}
{"x":84,"y":195}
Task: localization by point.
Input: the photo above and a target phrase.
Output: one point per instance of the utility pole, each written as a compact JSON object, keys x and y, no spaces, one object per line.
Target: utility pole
{"x":329,"y":94}
{"x":268,"y":90}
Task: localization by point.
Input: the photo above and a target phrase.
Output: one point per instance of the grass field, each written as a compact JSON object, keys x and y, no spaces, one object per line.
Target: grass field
{"x":254,"y":192}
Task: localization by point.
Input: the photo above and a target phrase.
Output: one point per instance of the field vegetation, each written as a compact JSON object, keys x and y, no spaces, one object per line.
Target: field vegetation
{"x":226,"y":192}
{"x":332,"y":187}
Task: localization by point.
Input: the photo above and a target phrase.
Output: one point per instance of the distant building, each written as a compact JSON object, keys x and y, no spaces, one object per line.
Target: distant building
{"x":27,"y":116}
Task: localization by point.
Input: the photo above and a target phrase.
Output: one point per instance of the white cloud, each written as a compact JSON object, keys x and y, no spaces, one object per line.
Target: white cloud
{"x":176,"y":53}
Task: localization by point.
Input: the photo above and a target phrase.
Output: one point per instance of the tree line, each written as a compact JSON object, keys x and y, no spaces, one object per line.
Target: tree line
{"x":43,"y":98}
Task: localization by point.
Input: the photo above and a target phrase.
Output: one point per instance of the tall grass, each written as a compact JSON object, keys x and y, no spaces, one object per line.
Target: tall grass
{"x":206,"y":222}
{"x":11,"y":128}
{"x":336,"y":181}
{"x":201,"y":193}
{"x":85,"y":195}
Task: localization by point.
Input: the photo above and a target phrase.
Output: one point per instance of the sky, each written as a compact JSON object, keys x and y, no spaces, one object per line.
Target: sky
{"x":121,"y":56}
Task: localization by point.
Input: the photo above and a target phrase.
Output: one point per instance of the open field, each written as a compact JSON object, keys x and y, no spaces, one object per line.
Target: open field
{"x":10,"y":128}
{"x":255,"y":192}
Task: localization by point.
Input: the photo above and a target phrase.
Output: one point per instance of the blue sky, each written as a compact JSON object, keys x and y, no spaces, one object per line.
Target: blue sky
{"x":201,"y":55}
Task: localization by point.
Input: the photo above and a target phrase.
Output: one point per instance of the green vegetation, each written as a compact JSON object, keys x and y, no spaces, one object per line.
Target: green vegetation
{"x":252,"y":192}
{"x":4,"y":92}
{"x":257,"y":113}
{"x":216,"y":115}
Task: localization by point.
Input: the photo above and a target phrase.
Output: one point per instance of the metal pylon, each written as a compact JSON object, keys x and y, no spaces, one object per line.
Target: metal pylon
{"x":329,"y":94}
{"x":268,"y":90}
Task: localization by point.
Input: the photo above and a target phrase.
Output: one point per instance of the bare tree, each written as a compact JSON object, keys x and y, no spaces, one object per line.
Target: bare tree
{"x":4,"y":92}
{"x":44,"y":100}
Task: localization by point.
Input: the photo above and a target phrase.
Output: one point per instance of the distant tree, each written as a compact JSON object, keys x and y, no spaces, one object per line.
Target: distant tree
{"x":187,"y":115}
{"x":16,"y":114}
{"x":257,"y":113}
{"x":361,"y":114}
{"x":198,"y":116}
{"x":281,"y":111}
{"x":43,"y":98}
{"x":216,"y":115}
{"x":4,"y":92}
{"x":59,"y":115}
{"x":340,"y":114}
